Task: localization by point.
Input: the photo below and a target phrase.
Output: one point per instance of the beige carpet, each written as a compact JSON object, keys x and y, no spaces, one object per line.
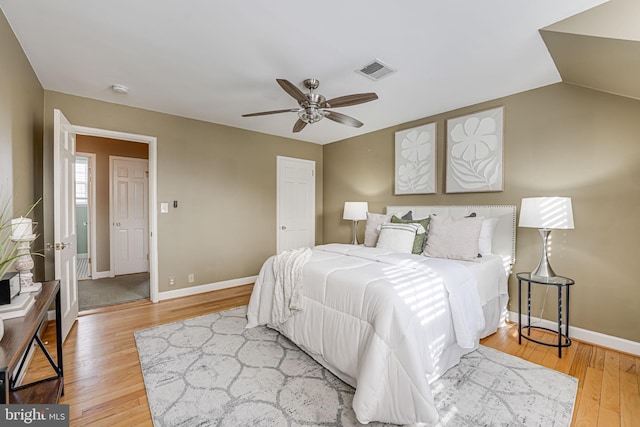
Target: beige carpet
{"x":112,"y":291}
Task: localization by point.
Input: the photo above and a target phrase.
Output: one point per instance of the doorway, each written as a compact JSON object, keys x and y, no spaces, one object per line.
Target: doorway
{"x":114,"y":174}
{"x":64,"y":218}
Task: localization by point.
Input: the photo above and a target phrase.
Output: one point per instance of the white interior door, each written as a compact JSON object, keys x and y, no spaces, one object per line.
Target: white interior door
{"x":64,"y":150}
{"x":296,"y":194}
{"x":129,"y":217}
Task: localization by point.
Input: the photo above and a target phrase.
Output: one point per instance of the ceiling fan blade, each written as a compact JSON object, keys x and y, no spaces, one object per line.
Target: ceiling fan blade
{"x":299,"y":126}
{"x":264,"y":113}
{"x":347,"y":100}
{"x":292,"y":90}
{"x":343,"y":118}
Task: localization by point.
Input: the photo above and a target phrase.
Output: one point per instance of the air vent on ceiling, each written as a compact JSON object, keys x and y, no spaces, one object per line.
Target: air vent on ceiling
{"x":376,"y":70}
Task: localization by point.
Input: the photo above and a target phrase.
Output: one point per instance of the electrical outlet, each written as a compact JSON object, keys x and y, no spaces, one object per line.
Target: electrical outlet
{"x":190,"y":278}
{"x":172,"y":281}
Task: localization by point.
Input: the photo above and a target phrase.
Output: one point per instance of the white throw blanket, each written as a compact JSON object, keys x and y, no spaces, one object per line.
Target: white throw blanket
{"x":287,"y":293}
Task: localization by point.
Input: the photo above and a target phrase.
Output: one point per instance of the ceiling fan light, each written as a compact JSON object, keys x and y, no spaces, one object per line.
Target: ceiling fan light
{"x":310,"y":115}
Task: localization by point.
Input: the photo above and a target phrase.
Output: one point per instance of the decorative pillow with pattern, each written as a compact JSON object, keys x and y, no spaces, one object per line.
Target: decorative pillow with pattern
{"x":419,"y":242}
{"x":372,"y":228}
{"x":398,"y":237}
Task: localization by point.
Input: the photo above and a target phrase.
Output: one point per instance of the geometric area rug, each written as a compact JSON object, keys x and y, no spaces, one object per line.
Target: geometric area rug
{"x":211,"y":371}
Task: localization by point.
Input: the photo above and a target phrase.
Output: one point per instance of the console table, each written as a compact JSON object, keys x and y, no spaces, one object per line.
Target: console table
{"x":19,"y":334}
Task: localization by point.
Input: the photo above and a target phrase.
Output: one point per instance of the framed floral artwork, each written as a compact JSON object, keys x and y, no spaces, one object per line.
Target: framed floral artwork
{"x":474,"y":152}
{"x":415,"y":168}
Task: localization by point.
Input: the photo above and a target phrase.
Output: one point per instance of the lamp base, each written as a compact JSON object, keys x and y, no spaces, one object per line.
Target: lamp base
{"x":544,"y":270}
{"x":355,"y":233}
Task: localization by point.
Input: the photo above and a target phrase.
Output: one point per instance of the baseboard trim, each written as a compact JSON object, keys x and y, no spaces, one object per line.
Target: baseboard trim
{"x":194,"y":290}
{"x":102,"y":275}
{"x":199,"y":289}
{"x":592,"y":337}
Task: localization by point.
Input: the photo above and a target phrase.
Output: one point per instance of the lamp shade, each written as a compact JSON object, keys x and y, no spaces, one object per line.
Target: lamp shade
{"x":546,"y":213}
{"x":355,"y":210}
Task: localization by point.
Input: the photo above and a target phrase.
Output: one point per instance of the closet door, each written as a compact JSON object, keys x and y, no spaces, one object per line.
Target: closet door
{"x":296,"y":203}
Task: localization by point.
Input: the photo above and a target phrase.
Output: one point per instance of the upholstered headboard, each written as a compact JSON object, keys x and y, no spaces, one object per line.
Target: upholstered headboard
{"x":504,"y":238}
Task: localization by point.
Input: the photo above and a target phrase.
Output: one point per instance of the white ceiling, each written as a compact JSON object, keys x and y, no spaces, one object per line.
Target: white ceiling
{"x":215,"y":60}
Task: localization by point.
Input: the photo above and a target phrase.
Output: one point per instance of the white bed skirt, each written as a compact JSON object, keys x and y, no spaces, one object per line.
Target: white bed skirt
{"x":495,"y":314}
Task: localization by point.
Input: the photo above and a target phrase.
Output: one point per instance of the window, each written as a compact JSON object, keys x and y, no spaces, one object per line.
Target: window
{"x":82,"y":181}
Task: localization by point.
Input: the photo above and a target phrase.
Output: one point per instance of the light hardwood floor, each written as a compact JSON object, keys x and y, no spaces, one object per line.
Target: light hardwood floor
{"x":104,"y":385}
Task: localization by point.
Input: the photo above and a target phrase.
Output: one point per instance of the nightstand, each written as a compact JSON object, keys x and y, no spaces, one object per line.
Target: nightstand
{"x":560,"y":283}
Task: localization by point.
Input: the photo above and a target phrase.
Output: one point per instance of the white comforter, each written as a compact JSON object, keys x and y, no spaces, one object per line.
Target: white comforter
{"x":384,"y":322}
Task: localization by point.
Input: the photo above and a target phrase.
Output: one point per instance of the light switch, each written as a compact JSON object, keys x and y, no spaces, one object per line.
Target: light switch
{"x":164,"y":207}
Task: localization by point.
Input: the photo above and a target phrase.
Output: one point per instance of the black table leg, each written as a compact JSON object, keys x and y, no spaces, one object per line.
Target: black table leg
{"x":560,"y":321}
{"x":519,"y":312}
{"x":59,"y":336}
{"x":529,"y":308}
{"x":4,"y":389}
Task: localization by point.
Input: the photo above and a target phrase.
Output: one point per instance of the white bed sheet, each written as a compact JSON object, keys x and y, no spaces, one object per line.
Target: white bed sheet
{"x":490,"y":275}
{"x":492,"y":282}
{"x":386,"y":323}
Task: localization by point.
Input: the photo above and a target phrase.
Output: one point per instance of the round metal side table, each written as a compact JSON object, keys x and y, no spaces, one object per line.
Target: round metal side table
{"x":559,"y":282}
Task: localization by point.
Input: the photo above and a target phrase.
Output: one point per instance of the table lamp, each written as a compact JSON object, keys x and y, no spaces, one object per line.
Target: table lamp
{"x":355,"y":211}
{"x":546,"y":214}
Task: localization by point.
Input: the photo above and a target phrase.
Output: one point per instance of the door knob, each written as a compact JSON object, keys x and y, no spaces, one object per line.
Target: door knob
{"x":284,"y":228}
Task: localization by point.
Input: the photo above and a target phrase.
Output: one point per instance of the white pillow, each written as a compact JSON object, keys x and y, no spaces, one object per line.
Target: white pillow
{"x":398,"y":237}
{"x":453,"y":238}
{"x":372,"y":229}
{"x":485,"y":241}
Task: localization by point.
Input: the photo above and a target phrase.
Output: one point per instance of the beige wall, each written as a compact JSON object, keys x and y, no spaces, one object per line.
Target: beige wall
{"x":103,"y":148}
{"x":223,"y":178}
{"x":21,"y":107}
{"x":559,"y":140}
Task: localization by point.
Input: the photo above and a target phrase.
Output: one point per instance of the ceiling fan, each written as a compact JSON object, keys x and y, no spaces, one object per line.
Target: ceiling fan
{"x":313,"y":106}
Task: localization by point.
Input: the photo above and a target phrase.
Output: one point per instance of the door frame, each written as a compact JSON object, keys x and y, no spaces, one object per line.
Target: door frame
{"x":91,"y":211}
{"x":152,"y":141}
{"x":312,"y":164}
{"x":112,"y":258}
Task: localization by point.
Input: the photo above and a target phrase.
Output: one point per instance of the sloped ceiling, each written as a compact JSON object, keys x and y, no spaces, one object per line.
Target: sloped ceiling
{"x":215,"y":60}
{"x":599,"y":48}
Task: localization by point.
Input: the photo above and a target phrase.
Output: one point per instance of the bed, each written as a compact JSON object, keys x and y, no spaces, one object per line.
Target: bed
{"x":389,"y":323}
